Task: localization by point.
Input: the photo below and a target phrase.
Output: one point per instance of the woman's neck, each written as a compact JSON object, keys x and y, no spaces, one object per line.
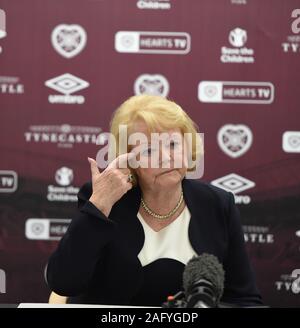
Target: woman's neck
{"x":162,"y":200}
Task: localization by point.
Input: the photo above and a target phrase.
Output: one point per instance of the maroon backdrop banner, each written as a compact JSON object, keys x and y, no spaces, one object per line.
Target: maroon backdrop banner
{"x":65,"y":66}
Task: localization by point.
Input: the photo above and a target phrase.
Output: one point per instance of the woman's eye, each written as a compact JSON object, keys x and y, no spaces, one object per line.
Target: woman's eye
{"x":174,"y":144}
{"x":148,"y":151}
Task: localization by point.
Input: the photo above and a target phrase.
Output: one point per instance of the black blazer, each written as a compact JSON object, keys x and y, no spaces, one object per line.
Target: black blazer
{"x":97,"y":262}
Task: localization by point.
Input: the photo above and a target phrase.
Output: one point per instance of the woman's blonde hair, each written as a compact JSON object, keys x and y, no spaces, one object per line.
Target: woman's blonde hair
{"x":159,"y":114}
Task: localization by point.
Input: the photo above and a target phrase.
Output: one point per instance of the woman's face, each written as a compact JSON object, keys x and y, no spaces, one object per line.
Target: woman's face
{"x":161,"y":157}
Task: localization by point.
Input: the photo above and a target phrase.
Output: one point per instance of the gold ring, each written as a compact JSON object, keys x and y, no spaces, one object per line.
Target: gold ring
{"x":130,"y":178}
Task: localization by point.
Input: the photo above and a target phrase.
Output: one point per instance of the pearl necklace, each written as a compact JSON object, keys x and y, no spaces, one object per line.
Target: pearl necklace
{"x":162,"y":217}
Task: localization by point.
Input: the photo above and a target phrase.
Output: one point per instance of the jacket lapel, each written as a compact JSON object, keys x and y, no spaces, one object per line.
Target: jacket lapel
{"x":201,"y":206}
{"x":124,"y":212}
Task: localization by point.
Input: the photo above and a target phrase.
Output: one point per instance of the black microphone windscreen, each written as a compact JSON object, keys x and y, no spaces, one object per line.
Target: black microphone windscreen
{"x":205,"y":266}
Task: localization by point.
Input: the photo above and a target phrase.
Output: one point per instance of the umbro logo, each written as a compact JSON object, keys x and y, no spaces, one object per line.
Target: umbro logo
{"x":66,"y":84}
{"x":236,"y":184}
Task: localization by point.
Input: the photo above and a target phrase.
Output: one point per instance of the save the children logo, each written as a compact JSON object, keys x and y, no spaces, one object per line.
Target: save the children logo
{"x":63,"y":190}
{"x":240,"y":54}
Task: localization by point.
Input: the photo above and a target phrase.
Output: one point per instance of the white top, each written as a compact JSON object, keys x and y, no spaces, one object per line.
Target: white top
{"x":170,"y":242}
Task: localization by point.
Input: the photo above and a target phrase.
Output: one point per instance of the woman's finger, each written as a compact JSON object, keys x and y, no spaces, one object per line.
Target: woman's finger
{"x":94,"y":168}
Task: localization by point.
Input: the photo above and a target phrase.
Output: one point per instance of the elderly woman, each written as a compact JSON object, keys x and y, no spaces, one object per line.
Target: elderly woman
{"x":136,"y":229}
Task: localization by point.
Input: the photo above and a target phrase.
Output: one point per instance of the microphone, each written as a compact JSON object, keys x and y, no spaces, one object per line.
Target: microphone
{"x":203,"y":284}
{"x":203,"y":281}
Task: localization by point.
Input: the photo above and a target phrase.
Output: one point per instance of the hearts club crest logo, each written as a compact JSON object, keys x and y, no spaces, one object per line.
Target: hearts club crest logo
{"x":235,"y":139}
{"x":68,"y":40}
